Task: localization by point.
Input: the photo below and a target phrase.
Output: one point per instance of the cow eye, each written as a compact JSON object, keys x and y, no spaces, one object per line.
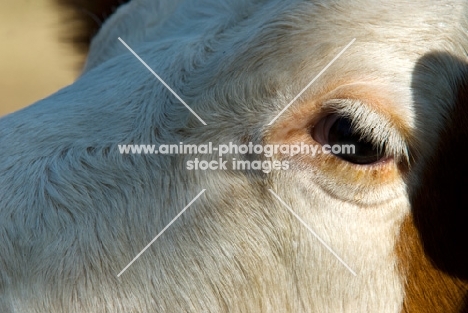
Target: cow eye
{"x":339,"y":131}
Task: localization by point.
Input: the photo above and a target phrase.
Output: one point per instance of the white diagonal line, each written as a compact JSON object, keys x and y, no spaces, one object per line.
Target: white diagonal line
{"x":161,"y":232}
{"x":313,"y":80}
{"x":313,"y":233}
{"x":162,"y":81}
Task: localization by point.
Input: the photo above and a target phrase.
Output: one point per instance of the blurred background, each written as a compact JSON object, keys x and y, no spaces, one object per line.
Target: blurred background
{"x":35,"y":58}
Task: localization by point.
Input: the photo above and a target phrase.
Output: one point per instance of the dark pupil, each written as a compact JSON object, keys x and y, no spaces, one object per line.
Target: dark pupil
{"x":341,"y":133}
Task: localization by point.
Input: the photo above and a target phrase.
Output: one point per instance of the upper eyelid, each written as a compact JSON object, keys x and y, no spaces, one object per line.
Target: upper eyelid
{"x":373,"y":125}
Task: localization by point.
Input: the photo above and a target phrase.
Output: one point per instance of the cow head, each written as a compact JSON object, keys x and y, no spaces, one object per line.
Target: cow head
{"x":320,"y":232}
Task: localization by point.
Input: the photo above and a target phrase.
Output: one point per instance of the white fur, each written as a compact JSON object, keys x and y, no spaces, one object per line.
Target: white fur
{"x":74,"y":212}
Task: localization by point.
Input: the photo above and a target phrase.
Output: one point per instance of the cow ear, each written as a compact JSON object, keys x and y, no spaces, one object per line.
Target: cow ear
{"x":87,"y":16}
{"x":130,"y":22}
{"x":440,"y":203}
{"x":432,"y":244}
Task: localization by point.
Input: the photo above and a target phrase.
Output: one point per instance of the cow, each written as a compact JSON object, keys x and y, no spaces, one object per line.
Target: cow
{"x":87,"y":226}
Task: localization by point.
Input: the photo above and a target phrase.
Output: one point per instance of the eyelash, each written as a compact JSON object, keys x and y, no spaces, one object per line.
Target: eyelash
{"x":335,"y":129}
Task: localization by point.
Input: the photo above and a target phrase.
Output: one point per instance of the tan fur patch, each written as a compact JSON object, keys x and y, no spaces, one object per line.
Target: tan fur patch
{"x":428,"y":289}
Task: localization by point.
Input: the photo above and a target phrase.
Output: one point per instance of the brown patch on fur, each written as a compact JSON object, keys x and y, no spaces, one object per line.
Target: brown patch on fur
{"x":433,"y":241}
{"x":427,"y":288}
{"x":88,"y":16}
